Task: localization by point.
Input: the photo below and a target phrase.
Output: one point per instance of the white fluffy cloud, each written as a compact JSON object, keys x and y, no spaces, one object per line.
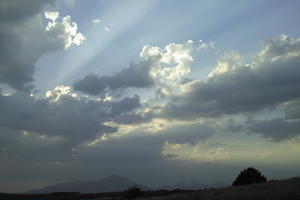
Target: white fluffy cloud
{"x":170,"y":64}
{"x":59,"y":92}
{"x":65,"y":30}
{"x":276,"y":50}
{"x":52,"y":16}
{"x":230,"y":62}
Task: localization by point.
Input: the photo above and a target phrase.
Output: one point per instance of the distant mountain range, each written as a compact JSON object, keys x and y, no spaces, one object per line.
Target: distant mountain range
{"x":114,"y":183}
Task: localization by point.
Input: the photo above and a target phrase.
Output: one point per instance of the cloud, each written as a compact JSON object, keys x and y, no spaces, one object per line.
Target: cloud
{"x":45,"y":133}
{"x":205,"y":46}
{"x":225,"y":149}
{"x":230,"y":62}
{"x":51,"y":134}
{"x":143,"y":144}
{"x":71,"y":117}
{"x":125,"y":105}
{"x":147,"y":146}
{"x":271,"y":79}
{"x":52,"y":16}
{"x":135,"y":76}
{"x":200,"y":152}
{"x":277,"y":129}
{"x":64,"y":30}
{"x":28,"y":156}
{"x":165,"y":67}
{"x":63,"y":133}
{"x":17,"y":11}
{"x":292,"y":109}
{"x":134,"y":118}
{"x":70,"y":2}
{"x":107,"y":29}
{"x":96,"y":21}
{"x":34,"y":147}
{"x":25,"y":38}
{"x":63,"y":113}
{"x":170,"y":64}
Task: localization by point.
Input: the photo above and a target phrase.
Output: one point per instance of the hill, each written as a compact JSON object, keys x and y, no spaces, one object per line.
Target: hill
{"x":192,"y":186}
{"x":275,"y":190}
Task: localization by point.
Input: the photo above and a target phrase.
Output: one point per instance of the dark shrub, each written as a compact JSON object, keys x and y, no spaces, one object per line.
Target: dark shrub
{"x":249,"y":176}
{"x":133,"y":192}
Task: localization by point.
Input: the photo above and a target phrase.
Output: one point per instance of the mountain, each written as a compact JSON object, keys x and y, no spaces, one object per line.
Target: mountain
{"x":116,"y":183}
{"x":111,"y":183}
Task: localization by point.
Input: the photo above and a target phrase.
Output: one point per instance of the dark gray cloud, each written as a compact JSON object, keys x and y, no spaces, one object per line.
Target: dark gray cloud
{"x":142,"y":146}
{"x":125,"y":105}
{"x":190,"y":133}
{"x":21,"y":146}
{"x":68,"y":116}
{"x":292,"y":109}
{"x":14,"y":10}
{"x":29,"y":157}
{"x":24,"y":39}
{"x":277,"y":129}
{"x":20,"y":30}
{"x":135,"y":76}
{"x":134,"y":118}
{"x":124,"y":150}
{"x":272,"y":78}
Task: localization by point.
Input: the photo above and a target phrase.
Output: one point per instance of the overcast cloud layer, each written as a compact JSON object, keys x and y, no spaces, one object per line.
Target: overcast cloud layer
{"x":180,"y":111}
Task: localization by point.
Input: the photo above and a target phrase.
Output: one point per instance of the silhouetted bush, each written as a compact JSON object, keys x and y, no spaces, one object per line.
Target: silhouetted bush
{"x":249,"y":176}
{"x":133,"y":192}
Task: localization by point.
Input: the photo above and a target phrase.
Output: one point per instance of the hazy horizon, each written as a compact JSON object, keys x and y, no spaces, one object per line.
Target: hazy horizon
{"x":160,"y":92}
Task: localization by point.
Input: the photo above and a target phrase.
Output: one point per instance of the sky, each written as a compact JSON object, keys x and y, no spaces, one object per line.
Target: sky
{"x":160,"y":92}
